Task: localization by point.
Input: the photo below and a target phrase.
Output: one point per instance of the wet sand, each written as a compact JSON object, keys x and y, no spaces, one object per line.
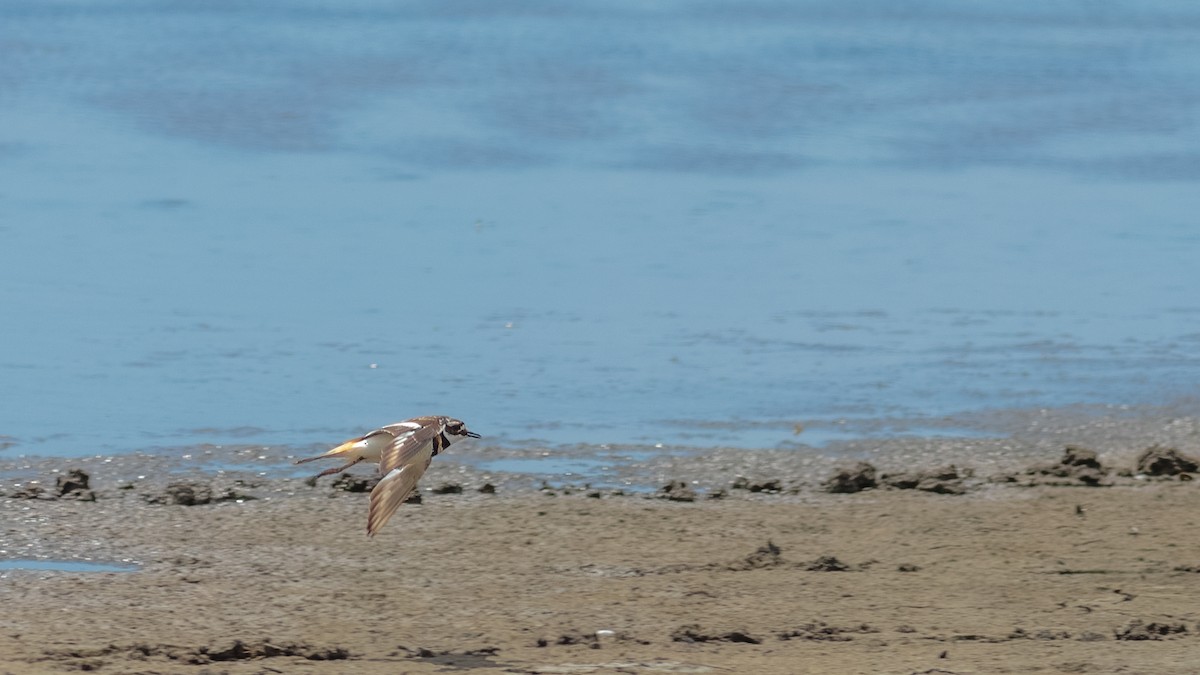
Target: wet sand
{"x":1019,"y":574}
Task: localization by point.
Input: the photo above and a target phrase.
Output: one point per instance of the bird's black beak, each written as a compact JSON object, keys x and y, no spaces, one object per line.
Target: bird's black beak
{"x":472,"y":434}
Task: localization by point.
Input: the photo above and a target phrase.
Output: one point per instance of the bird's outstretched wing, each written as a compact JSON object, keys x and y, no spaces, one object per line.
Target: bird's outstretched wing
{"x":403,"y":463}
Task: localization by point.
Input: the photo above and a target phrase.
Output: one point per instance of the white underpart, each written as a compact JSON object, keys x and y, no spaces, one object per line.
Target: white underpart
{"x":371,"y":448}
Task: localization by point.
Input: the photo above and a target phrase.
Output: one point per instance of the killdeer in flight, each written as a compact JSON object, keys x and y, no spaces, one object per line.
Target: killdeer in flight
{"x":403,"y":451}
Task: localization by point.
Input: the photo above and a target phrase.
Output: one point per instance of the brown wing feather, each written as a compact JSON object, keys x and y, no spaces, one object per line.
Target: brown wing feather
{"x":401,"y":450}
{"x":402,"y":465}
{"x":389,"y":494}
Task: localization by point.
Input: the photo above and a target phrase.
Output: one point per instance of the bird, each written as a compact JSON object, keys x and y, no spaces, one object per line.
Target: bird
{"x":403,"y":451}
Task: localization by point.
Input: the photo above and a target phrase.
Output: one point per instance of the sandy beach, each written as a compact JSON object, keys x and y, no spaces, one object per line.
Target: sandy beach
{"x":1033,"y":572}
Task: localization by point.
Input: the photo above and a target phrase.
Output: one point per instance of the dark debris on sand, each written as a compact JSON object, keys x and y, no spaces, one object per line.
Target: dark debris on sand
{"x":349,"y":483}
{"x":242,"y":651}
{"x":74,"y":485}
{"x":695,"y":633}
{"x":863,"y":476}
{"x":235,"y":650}
{"x":677,"y":491}
{"x":764,"y":557}
{"x":1078,"y":466}
{"x":1141,"y":630}
{"x":827,"y":563}
{"x":448,"y":659}
{"x":1160,"y":461}
{"x":822,"y":632}
{"x":770,"y":556}
{"x":946,"y":480}
{"x":358,"y":484}
{"x":591,"y":640}
{"x":850,"y":479}
{"x":192,"y":493}
{"x":770,"y":486}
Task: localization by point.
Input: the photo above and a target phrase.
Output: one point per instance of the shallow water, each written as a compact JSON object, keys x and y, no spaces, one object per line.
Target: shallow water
{"x":690,"y":223}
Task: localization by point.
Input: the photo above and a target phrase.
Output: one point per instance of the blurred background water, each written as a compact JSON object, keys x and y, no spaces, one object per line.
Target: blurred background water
{"x":696,"y":223}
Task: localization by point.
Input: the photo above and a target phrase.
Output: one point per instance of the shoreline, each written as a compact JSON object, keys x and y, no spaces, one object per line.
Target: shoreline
{"x":1115,"y":442}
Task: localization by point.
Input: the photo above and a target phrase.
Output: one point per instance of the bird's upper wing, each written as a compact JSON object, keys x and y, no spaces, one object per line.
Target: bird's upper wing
{"x":402,"y":465}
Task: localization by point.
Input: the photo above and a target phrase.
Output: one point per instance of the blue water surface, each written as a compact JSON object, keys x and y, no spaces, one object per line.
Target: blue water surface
{"x":588,"y":222}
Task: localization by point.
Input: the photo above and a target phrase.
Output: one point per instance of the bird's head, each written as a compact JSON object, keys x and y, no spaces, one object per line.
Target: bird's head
{"x":456,"y":429}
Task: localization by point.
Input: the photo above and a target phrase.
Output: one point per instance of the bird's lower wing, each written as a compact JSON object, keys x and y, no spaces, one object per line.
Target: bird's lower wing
{"x":404,"y":462}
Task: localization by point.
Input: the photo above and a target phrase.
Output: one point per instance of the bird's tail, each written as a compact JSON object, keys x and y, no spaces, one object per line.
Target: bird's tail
{"x":336,"y":452}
